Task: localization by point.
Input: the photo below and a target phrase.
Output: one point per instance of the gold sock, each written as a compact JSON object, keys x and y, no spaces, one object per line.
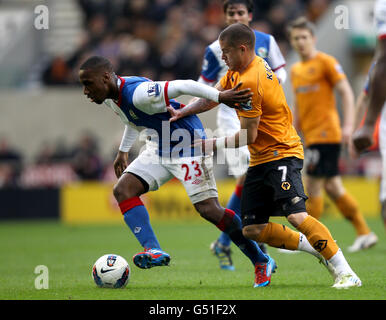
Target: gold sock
{"x":319,"y":237}
{"x":314,"y":206}
{"x":348,"y":206}
{"x":279,"y":236}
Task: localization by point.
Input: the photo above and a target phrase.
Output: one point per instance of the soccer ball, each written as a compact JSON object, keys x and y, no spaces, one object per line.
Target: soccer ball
{"x":111,"y":271}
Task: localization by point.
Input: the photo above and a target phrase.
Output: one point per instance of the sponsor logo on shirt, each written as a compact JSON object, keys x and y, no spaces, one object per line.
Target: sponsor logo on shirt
{"x":154,"y":89}
{"x":133,"y":115}
{"x":309,"y":88}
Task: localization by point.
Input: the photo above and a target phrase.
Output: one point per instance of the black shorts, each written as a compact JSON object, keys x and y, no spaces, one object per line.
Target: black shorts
{"x":322,"y":160}
{"x":273,"y":189}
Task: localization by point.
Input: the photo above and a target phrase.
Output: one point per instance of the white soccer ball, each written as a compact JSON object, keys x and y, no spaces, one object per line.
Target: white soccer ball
{"x":111,"y":271}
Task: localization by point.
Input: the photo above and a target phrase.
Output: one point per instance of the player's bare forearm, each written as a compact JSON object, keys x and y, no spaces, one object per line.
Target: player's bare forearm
{"x":347,"y":96}
{"x":348,"y":109}
{"x":360,"y":108}
{"x":194,"y":107}
{"x":198,"y":106}
{"x":362,"y":138}
{"x":377,"y":91}
{"x":231,"y":97}
{"x":247,"y":134}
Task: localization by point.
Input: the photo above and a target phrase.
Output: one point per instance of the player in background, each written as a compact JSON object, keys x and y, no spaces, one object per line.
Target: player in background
{"x":314,"y":79}
{"x":273,"y":182}
{"x":213,"y":69}
{"x":363,"y":136}
{"x":140,"y":102}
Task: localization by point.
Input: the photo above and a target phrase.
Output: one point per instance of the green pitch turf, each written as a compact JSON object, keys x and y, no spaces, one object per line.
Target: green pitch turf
{"x":70,"y":251}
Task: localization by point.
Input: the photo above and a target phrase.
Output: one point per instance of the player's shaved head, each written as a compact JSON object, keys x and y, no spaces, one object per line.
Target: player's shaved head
{"x":238,"y":34}
{"x":97,"y":76}
{"x":97,"y":63}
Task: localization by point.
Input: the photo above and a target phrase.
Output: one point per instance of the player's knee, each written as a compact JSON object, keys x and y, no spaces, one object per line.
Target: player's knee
{"x":334,"y":188}
{"x":330,"y":188}
{"x":297,"y":219}
{"x":117,"y":191}
{"x":251,"y":232}
{"x":209,"y":211}
{"x":121,"y":192}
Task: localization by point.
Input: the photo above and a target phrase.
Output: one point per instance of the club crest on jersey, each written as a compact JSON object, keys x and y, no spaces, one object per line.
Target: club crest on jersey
{"x":285,"y":185}
{"x":262,"y":52}
{"x":111,"y":260}
{"x":154,"y":89}
{"x":339,"y":68}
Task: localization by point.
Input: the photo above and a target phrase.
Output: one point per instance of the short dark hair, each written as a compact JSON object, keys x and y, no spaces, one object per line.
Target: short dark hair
{"x":301,"y":23}
{"x":237,"y":34}
{"x":97,"y":63}
{"x":247,"y":3}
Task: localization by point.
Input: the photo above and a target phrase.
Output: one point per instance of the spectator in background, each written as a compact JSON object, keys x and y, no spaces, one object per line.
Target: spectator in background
{"x":10,"y":164}
{"x":57,"y":73}
{"x":52,"y":153}
{"x":86,"y":161}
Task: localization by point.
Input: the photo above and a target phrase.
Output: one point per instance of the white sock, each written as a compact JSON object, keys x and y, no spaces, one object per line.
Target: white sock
{"x":305,"y":246}
{"x":339,"y":262}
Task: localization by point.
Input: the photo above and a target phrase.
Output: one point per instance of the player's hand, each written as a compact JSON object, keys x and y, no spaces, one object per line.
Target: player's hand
{"x":121,"y":163}
{"x":352,"y":150}
{"x":207,"y":146}
{"x":363,"y":138}
{"x":233,"y":97}
{"x":174,"y":114}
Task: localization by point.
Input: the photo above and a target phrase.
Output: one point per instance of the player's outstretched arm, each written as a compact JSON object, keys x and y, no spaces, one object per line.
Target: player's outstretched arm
{"x":247,"y":135}
{"x":362,"y":138}
{"x":231,"y":97}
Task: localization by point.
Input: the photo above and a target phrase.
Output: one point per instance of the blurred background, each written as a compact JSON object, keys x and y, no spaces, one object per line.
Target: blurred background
{"x":57,"y":149}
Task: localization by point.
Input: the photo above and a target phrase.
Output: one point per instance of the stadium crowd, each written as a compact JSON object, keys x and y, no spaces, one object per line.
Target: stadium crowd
{"x":165,"y":39}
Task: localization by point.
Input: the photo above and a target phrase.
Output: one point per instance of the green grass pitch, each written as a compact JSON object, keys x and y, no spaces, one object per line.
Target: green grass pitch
{"x":70,"y":251}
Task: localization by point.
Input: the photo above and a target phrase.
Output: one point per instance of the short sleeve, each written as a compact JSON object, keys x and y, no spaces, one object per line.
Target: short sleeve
{"x":275,"y":58}
{"x":333,"y":70}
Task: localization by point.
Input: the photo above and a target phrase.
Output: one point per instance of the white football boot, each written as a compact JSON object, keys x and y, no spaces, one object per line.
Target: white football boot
{"x":347,"y":280}
{"x":363,"y":242}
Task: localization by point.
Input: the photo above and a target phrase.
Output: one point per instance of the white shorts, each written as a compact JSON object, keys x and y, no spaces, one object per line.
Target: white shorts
{"x":382,"y":148}
{"x":195,"y":173}
{"x":237,"y":159}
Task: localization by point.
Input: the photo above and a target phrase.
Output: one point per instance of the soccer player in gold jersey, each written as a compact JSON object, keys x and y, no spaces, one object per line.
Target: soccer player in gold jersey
{"x":314,"y":79}
{"x":273,"y":182}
